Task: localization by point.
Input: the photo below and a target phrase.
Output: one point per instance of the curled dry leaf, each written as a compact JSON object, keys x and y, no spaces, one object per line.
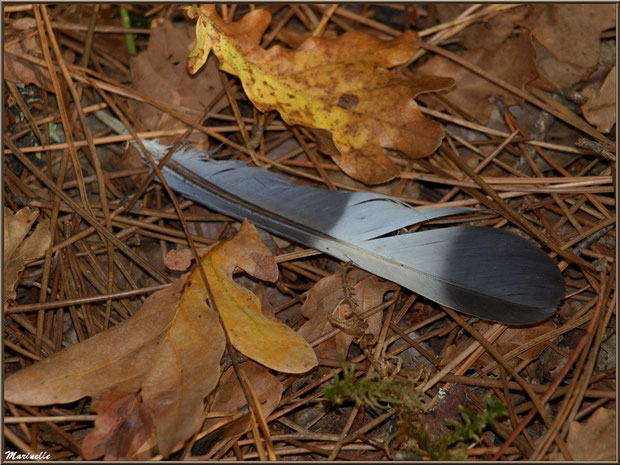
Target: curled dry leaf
{"x":19,"y":249}
{"x":592,"y":440}
{"x":326,"y":299}
{"x":600,"y":109}
{"x":271,"y":343}
{"x":571,"y":32}
{"x":340,"y":88}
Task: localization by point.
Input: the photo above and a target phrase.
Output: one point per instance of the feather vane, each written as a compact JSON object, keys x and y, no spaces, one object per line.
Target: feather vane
{"x":484,"y":272}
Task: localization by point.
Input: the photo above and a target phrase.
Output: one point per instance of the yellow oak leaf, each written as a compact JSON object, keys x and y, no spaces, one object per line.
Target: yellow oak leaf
{"x":341,"y":88}
{"x":268,"y":342}
{"x":19,"y":249}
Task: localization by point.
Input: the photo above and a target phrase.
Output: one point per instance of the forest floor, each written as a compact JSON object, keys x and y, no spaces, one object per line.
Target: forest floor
{"x":524,"y":134}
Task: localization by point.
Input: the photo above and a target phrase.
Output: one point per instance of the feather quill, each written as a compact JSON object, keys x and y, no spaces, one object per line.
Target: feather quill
{"x":484,"y":272}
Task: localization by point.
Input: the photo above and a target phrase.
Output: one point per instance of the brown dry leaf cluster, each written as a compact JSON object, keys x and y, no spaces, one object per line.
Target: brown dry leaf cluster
{"x":153,"y":371}
{"x":20,"y":39}
{"x":556,"y":43}
{"x":511,"y":59}
{"x":93,"y":328}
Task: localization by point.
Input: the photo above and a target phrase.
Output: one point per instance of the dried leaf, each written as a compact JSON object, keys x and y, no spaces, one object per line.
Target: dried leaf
{"x":18,"y":42}
{"x":600,"y":109}
{"x":493,"y":30}
{"x":268,"y":342}
{"x":169,"y":352}
{"x":561,"y":74}
{"x":230,"y":397}
{"x":571,"y":32}
{"x":513,"y":337}
{"x":510,"y":339}
{"x":340,"y":88}
{"x":160,"y":364}
{"x":162,"y":66}
{"x":327,"y":298}
{"x":19,"y":250}
{"x":181,"y":259}
{"x":567,"y":39}
{"x":593,"y":440}
{"x":120,"y":413}
{"x":512,"y":61}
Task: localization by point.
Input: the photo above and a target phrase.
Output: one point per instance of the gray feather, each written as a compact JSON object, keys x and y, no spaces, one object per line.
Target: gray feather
{"x":489,"y":273}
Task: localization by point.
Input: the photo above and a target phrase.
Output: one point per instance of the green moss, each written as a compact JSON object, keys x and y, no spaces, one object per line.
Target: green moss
{"x":373,"y":391}
{"x":402,"y":393}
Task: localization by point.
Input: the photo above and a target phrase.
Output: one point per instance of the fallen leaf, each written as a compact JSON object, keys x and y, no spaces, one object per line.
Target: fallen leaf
{"x":593,"y":440}
{"x":230,"y":397}
{"x":22,"y":42}
{"x":159,"y":72}
{"x":571,"y":32}
{"x":563,"y":75}
{"x":162,"y":362}
{"x":181,"y":259}
{"x":493,"y":30}
{"x":514,"y":337}
{"x":326,"y":298}
{"x":567,"y":39}
{"x":268,"y":342}
{"x":512,"y":61}
{"x":600,"y":109}
{"x":121,"y":427}
{"x":487,"y":32}
{"x":340,"y":88}
{"x":168,"y":352}
{"x":19,"y":249}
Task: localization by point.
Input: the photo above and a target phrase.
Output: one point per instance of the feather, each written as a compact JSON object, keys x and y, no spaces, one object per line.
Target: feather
{"x":484,"y":272}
